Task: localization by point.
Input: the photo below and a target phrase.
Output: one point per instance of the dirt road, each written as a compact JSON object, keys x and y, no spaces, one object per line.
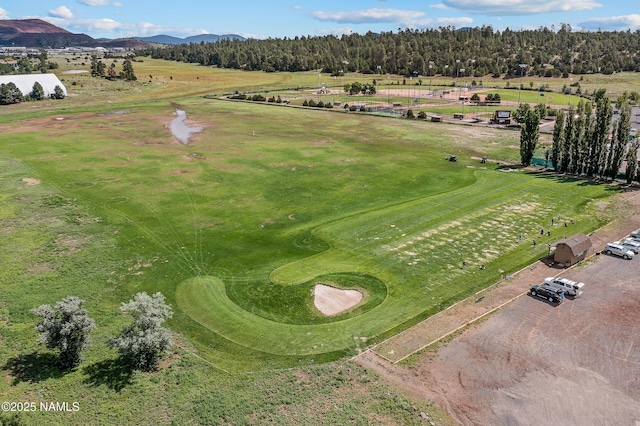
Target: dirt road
{"x":531,"y":362}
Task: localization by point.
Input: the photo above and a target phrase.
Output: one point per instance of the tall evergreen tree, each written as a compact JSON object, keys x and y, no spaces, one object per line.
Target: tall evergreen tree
{"x":529,"y":135}
{"x":631,"y":171}
{"x":37,"y":92}
{"x":558,"y":140}
{"x":127,"y":71}
{"x":567,"y":137}
{"x":600,"y":134}
{"x":97,"y":67}
{"x":58,"y":93}
{"x":619,"y":141}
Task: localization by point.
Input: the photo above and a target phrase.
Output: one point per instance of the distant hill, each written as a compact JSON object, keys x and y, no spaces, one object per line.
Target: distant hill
{"x":207,"y":38}
{"x":42,"y":34}
{"x":38,"y":33}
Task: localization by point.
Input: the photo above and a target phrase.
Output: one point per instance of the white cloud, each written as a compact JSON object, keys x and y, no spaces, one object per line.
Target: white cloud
{"x":61,"y":12}
{"x":438,"y":6}
{"x":520,"y":7}
{"x":4,"y":14}
{"x":613,"y":23}
{"x":369,"y":16}
{"x":99,"y":3}
{"x":455,"y":22}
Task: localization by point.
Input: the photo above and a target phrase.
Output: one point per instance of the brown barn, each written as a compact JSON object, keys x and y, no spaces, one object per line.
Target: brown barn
{"x":571,"y":250}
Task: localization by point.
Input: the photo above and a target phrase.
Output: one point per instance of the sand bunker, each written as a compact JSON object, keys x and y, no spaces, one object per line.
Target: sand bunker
{"x":331,"y":301}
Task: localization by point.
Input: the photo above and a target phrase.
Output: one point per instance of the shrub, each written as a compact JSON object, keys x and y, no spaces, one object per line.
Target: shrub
{"x":65,"y":327}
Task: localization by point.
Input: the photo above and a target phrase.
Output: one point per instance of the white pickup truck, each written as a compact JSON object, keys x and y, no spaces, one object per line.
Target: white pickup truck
{"x":570,"y":287}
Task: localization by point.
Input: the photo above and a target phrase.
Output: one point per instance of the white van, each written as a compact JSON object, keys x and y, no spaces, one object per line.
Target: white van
{"x":570,"y":287}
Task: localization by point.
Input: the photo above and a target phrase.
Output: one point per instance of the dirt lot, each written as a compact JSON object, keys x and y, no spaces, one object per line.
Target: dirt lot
{"x":533,"y":362}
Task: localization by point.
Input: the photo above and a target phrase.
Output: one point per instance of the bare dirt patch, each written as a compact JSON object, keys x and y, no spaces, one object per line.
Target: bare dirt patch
{"x":331,"y":301}
{"x":31,"y":181}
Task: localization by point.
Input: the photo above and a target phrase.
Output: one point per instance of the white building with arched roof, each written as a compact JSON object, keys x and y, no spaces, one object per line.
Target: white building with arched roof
{"x":25,"y":82}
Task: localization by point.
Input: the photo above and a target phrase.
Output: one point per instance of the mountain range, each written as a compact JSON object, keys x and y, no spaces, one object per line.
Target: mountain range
{"x":207,"y":38}
{"x":42,"y":34}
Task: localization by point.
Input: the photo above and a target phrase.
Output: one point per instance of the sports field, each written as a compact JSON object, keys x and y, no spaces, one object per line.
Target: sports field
{"x":238,"y":227}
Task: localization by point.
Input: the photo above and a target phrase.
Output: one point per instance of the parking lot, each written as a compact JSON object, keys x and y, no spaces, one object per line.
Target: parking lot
{"x":535,"y":362}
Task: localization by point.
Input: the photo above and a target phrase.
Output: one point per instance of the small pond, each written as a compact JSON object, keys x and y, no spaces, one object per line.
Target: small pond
{"x":180,"y":129}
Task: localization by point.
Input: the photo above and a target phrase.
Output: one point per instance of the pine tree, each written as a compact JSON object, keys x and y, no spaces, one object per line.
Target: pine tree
{"x":127,"y":71}
{"x":37,"y":92}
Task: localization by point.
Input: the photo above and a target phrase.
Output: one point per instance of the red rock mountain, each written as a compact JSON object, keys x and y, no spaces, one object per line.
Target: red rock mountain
{"x":41,"y":34}
{"x":38,"y":33}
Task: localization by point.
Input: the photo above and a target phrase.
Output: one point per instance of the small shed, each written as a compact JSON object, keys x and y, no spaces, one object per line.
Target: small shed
{"x":571,"y":250}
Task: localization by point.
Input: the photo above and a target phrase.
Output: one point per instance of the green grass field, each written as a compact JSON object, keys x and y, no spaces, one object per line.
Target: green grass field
{"x":236,"y":229}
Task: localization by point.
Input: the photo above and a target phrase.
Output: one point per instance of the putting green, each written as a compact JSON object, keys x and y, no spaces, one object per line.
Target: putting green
{"x":206,"y":301}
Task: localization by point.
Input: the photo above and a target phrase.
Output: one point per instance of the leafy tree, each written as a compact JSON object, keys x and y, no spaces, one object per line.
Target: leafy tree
{"x":65,"y":327}
{"x":145,"y":340}
{"x":410,"y":114}
{"x":422,"y":115}
{"x":475,"y":98}
{"x":127,"y":71}
{"x":529,"y":134}
{"x":37,"y":92}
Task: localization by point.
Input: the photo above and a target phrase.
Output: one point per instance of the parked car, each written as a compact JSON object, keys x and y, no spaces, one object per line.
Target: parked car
{"x":635,"y":234}
{"x":618,"y":250}
{"x":547,"y":293}
{"x":570,"y":287}
{"x":630,"y":244}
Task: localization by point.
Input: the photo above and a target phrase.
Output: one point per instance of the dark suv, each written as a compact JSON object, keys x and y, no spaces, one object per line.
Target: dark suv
{"x":547,"y":293}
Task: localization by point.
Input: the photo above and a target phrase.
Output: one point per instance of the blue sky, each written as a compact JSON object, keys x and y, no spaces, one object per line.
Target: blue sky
{"x":290,"y":18}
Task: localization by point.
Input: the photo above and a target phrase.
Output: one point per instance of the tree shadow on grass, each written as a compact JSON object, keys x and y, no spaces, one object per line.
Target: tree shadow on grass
{"x":34,"y":367}
{"x":116,"y":374}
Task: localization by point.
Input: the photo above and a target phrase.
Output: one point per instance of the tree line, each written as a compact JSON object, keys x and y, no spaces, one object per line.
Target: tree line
{"x":100,"y":69}
{"x":586,"y":139}
{"x":446,"y":51}
{"x":31,"y":63}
